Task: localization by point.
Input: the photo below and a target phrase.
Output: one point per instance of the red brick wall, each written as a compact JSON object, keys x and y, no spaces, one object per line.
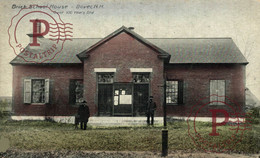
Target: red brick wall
{"x":197,"y":85}
{"x":59,"y":90}
{"x":122,"y":52}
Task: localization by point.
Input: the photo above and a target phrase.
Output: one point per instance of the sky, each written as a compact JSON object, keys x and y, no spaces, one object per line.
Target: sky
{"x":238,"y":19}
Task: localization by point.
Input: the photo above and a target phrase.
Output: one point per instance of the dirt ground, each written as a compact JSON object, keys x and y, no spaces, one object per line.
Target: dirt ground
{"x":117,"y":154}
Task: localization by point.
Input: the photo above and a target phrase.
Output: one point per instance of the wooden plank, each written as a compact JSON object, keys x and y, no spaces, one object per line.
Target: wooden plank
{"x":47,"y":90}
{"x":27,"y":90}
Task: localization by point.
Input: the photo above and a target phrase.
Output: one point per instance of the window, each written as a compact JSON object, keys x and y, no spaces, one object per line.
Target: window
{"x":174,"y":92}
{"x":76,"y":91}
{"x":105,"y":78}
{"x":36,"y":91}
{"x":217,"y":92}
{"x":141,"y":77}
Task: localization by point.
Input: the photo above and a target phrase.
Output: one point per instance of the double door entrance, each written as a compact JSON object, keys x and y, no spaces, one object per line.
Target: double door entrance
{"x":122,"y":99}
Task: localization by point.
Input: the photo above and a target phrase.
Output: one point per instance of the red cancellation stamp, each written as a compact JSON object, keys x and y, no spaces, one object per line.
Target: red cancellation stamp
{"x":46,"y":30}
{"x":228,"y":122}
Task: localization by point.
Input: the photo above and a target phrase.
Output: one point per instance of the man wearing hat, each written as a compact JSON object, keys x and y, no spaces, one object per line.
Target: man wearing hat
{"x":83,"y":113}
{"x":151,"y":107}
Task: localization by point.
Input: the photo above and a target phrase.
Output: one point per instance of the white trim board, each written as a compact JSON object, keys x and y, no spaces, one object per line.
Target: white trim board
{"x":104,"y":69}
{"x":95,"y":121}
{"x":141,"y":69}
{"x":117,"y":121}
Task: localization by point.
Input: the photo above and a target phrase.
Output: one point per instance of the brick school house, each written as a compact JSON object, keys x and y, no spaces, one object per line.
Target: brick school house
{"x":117,"y":74}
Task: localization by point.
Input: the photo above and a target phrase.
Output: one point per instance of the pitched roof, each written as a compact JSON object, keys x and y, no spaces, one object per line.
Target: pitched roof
{"x":201,"y":50}
{"x":161,"y":52}
{"x":68,"y":55}
{"x":182,"y":50}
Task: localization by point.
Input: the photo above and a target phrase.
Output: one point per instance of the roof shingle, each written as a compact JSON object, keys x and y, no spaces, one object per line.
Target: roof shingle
{"x":201,"y":50}
{"x":182,"y":50}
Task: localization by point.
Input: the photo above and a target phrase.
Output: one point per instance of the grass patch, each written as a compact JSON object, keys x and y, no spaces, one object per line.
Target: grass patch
{"x":42,"y":135}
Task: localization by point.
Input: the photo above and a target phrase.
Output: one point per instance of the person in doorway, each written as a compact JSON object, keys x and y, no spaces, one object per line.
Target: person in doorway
{"x":151,"y":107}
{"x":83,"y":113}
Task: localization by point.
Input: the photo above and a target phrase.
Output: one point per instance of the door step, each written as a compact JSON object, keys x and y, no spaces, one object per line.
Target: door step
{"x":96,"y":121}
{"x":122,"y":121}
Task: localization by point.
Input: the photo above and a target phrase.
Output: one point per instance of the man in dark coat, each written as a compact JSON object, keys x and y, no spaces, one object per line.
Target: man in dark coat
{"x":151,"y":107}
{"x":83,"y":113}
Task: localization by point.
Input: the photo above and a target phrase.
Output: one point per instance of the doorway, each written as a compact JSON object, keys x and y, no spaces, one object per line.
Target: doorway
{"x":141,"y":95}
{"x":105,"y":99}
{"x":123,"y":100}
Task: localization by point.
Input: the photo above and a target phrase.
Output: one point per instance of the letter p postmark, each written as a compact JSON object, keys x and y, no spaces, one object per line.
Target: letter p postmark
{"x":47,"y":34}
{"x":36,"y":30}
{"x":223,"y":131}
{"x":214,"y":120}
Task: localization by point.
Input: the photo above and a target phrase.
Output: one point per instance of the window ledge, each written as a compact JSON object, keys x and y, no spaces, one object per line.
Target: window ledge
{"x":175,"y":104}
{"x":36,"y":104}
{"x":216,"y":104}
{"x":141,"y":82}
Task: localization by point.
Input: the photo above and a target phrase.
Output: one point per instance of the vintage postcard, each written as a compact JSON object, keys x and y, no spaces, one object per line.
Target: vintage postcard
{"x":133,"y":78}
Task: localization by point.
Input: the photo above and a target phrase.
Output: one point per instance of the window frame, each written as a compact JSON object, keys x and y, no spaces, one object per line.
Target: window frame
{"x":180,"y":93}
{"x":105,"y":73}
{"x":46,"y":92}
{"x":74,"y":104}
{"x":140,"y":73}
{"x":210,"y":95}
{"x":32,"y":90}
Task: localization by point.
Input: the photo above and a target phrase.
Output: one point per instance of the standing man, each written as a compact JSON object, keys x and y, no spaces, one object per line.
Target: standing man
{"x":83,"y":113}
{"x":151,"y":107}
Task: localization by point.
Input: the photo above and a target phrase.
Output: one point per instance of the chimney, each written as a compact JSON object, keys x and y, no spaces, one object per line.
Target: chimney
{"x":38,"y":30}
{"x":38,"y":26}
{"x":131,"y":28}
